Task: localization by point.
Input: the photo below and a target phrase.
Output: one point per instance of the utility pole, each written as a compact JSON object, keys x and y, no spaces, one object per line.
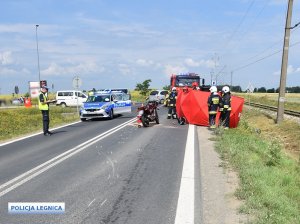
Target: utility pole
{"x":231,"y":74}
{"x":284,"y":63}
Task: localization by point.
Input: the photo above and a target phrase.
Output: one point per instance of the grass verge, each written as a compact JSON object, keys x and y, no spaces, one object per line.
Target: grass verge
{"x":269,"y":179}
{"x":21,"y":121}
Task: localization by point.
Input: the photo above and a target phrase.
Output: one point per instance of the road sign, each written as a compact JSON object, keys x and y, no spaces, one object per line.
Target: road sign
{"x":77,"y":82}
{"x":16,"y":90}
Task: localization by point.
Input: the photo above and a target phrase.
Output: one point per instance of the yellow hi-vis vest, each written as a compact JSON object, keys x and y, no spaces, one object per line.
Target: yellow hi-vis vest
{"x":43,"y":106}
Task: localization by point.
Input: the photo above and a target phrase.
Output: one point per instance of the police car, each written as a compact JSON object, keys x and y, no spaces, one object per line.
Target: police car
{"x":105,"y":104}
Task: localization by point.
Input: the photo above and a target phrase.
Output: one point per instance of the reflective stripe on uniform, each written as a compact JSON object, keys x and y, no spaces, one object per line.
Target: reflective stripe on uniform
{"x":43,"y":106}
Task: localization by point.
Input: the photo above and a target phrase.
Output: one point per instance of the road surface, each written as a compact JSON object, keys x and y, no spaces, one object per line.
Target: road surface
{"x":110,"y":171}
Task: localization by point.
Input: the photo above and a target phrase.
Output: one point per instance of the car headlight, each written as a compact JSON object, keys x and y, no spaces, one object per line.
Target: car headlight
{"x":104,"y":107}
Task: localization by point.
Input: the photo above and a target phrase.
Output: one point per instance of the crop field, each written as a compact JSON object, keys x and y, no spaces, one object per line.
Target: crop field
{"x":271,"y":99}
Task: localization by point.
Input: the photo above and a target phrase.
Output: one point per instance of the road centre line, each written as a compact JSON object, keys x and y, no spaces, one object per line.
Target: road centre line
{"x":185,"y":204}
{"x":25,"y":177}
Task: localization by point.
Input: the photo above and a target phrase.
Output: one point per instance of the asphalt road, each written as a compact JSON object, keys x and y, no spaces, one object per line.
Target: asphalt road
{"x":105,"y":171}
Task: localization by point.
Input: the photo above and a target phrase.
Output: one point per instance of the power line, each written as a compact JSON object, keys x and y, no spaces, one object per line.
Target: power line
{"x":279,"y":41}
{"x":254,"y":62}
{"x":238,"y":26}
{"x":254,"y":20}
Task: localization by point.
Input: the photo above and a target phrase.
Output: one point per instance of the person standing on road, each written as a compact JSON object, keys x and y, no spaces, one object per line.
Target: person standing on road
{"x":213,"y":103}
{"x":44,"y":108}
{"x":225,"y":107}
{"x":171,"y":103}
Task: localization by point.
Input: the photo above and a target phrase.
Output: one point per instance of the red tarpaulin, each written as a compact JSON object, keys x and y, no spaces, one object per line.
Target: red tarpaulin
{"x":193,"y":106}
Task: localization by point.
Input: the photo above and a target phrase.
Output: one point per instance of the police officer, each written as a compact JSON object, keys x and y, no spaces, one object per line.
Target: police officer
{"x":213,"y":103}
{"x":171,"y":103}
{"x":225,"y":107}
{"x":44,"y":108}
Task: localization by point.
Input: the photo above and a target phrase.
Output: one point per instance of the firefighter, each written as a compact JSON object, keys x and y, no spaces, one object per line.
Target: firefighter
{"x":171,"y":103}
{"x":213,"y":103}
{"x":225,"y":107}
{"x":195,"y":86}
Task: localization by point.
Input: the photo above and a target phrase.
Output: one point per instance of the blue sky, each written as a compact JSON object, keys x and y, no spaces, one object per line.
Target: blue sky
{"x":117,"y":44}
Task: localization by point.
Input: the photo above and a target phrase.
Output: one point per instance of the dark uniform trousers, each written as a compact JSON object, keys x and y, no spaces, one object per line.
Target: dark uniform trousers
{"x":225,"y":110}
{"x":46,"y":120}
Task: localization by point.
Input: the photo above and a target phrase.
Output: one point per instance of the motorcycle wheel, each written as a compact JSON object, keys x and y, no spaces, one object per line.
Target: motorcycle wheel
{"x":156,"y":117}
{"x":145,"y":121}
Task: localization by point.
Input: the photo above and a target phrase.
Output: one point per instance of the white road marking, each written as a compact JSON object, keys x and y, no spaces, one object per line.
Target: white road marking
{"x":91,"y":202}
{"x":28,"y":136}
{"x":23,"y":178}
{"x":103,"y":202}
{"x":185,"y":205}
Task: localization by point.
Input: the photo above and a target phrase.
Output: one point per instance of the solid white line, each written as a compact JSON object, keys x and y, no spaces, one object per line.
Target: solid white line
{"x":56,"y":160}
{"x":28,"y":136}
{"x":185,"y":205}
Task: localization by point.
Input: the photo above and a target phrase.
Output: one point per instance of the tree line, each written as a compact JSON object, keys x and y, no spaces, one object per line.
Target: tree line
{"x":144,"y":88}
{"x":295,"y":89}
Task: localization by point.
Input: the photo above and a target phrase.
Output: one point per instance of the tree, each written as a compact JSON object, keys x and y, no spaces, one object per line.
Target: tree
{"x":143,"y":88}
{"x":262,"y":90}
{"x":167,"y":87}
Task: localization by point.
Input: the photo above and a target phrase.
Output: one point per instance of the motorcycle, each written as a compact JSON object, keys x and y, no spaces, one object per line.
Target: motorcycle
{"x":147,"y":113}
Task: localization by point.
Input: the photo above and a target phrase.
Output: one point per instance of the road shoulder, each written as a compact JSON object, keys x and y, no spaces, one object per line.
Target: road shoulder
{"x":219,"y":204}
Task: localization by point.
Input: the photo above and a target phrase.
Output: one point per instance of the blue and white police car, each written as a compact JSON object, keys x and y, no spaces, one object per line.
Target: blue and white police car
{"x":105,"y":104}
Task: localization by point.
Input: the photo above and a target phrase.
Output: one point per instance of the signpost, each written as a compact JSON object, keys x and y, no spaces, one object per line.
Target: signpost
{"x":77,"y":82}
{"x":16,"y":90}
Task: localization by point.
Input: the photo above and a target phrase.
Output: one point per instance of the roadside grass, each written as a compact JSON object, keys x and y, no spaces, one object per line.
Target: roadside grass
{"x":137,"y":97}
{"x":20,"y":121}
{"x":271,"y":99}
{"x":269,"y":178}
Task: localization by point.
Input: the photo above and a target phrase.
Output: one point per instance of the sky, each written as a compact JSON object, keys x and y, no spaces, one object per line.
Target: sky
{"x":117,"y":44}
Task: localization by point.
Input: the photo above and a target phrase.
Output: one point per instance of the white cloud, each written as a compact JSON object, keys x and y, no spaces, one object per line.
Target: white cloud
{"x":190,"y":62}
{"x":202,"y":63}
{"x":124,"y":69}
{"x":169,"y":69}
{"x":290,"y":70}
{"x":78,"y":69}
{"x":6,"y":58}
{"x":144,"y":62}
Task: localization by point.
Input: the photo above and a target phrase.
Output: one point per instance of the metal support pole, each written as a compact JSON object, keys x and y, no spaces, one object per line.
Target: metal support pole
{"x":37,"y":51}
{"x":231,"y":74}
{"x":284,"y":64}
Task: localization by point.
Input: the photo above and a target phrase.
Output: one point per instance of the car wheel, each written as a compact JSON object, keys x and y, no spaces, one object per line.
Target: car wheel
{"x":83,"y":119}
{"x":161,"y":101}
{"x":63,"y":105}
{"x":111,"y":114}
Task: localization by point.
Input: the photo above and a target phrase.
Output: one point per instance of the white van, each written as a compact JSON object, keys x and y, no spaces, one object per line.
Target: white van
{"x":70,"y":98}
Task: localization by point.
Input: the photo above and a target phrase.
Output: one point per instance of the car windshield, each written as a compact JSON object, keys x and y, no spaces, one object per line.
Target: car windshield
{"x":154,"y":93}
{"x":102,"y":98}
{"x":186,"y":81}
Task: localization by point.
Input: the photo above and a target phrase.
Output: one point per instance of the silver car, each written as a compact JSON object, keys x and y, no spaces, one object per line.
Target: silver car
{"x":158,"y":95}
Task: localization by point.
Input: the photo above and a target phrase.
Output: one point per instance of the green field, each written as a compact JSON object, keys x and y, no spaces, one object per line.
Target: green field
{"x":271,"y":99}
